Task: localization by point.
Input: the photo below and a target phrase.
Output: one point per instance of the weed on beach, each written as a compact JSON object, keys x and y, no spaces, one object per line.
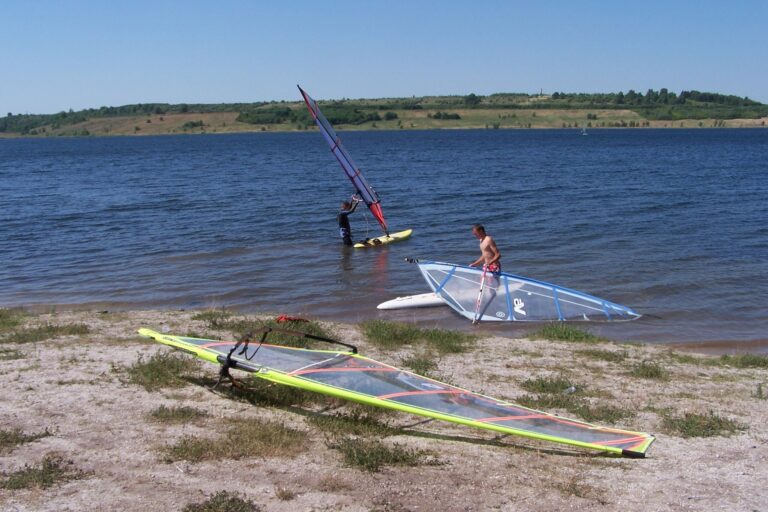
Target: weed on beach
{"x":551,"y":385}
{"x":700,"y":425}
{"x":9,"y":439}
{"x":9,"y":319}
{"x":391,"y":335}
{"x":52,"y":469}
{"x":370,"y":455}
{"x":177,"y":414}
{"x":242,"y":325}
{"x":224,"y":501}
{"x":745,"y":360}
{"x":649,"y":370}
{"x":260,"y":392}
{"x":161,"y":370}
{"x":9,"y":354}
{"x":44,"y":332}
{"x":244,"y":438}
{"x":358,"y":422}
{"x":604,"y":355}
{"x":214,"y":318}
{"x":423,"y":364}
{"x":760,"y":393}
{"x":560,"y":331}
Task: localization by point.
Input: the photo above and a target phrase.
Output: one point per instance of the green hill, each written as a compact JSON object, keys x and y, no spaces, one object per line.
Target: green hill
{"x":502,"y":110}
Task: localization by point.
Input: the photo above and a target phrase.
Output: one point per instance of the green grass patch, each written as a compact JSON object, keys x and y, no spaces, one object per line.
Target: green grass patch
{"x":701,"y":425}
{"x":260,"y":392}
{"x":745,"y":360}
{"x":371,"y":455}
{"x":224,"y":501}
{"x":760,"y":393}
{"x":10,"y":439}
{"x":560,"y":331}
{"x":391,"y":335}
{"x":9,"y":319}
{"x":177,"y":414}
{"x":423,"y":364}
{"x":590,"y":413}
{"x":547,"y":384}
{"x":244,"y":438}
{"x":45,"y":332}
{"x":649,"y":370}
{"x":9,"y":354}
{"x":52,"y":470}
{"x":604,"y":355}
{"x":687,"y":358}
{"x":162,"y":370}
{"x":359,"y":422}
{"x":214,"y":318}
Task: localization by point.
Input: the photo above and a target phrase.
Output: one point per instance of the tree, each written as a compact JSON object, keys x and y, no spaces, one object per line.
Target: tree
{"x":472,"y":100}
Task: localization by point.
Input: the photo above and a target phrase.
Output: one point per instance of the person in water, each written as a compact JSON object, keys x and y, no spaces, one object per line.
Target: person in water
{"x":345,"y":231}
{"x":490,"y":256}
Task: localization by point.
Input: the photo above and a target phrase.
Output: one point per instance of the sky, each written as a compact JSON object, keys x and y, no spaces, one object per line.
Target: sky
{"x":76,"y":54}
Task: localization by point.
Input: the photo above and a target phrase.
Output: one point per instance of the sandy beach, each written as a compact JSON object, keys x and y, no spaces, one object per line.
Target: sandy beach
{"x":75,"y":392}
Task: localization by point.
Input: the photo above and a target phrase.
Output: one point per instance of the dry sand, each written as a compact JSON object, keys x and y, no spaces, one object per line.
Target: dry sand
{"x":72,"y":386}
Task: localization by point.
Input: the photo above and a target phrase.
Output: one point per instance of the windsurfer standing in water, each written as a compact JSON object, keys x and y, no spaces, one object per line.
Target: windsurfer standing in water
{"x":490,"y":256}
{"x":345,"y":230}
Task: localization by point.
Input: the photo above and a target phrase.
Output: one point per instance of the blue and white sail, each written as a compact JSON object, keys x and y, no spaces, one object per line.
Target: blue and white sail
{"x":510,"y":298}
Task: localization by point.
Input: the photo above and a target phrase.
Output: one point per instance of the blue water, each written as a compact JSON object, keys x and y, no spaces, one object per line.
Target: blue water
{"x":669,"y":222}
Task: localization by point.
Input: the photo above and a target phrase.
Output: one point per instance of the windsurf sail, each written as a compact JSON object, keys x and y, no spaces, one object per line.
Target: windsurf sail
{"x":511,"y":298}
{"x":367,"y":194}
{"x":350,"y":376}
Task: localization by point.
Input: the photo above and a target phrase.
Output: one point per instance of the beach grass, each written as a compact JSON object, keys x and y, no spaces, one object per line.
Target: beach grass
{"x":261,"y":393}
{"x":550,"y":385}
{"x":177,"y":414}
{"x":10,"y":319}
{"x":604,"y":355}
{"x":560,"y":331}
{"x":9,"y":354}
{"x":161,"y":370}
{"x":371,"y":455}
{"x":745,"y":360}
{"x":649,"y":370}
{"x":390,"y":335}
{"x":244,"y":439}
{"x":284,"y":494}
{"x":359,"y":422}
{"x":53,"y":469}
{"x":422,"y":364}
{"x":224,"y":501}
{"x":700,"y":425}
{"x":9,"y":439}
{"x":44,"y":332}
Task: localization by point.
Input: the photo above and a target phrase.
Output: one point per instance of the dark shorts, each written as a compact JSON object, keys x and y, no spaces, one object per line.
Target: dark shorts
{"x":346,"y":236}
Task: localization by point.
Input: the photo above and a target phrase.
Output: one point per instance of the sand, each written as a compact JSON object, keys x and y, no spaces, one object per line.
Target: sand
{"x":74,"y":387}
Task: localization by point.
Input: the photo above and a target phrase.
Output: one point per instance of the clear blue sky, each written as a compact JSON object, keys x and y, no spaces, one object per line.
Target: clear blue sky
{"x":58,"y":55}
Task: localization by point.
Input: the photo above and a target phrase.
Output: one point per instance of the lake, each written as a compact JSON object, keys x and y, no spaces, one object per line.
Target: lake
{"x":669,"y":222}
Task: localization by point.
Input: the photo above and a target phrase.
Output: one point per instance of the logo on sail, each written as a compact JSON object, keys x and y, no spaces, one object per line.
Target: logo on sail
{"x":519,"y":306}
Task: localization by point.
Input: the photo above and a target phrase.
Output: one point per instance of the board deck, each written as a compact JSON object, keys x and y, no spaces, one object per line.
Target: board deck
{"x":384,"y":240}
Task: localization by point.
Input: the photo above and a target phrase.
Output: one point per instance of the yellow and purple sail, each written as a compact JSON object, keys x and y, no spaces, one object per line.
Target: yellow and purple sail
{"x":365,"y":191}
{"x":350,"y":376}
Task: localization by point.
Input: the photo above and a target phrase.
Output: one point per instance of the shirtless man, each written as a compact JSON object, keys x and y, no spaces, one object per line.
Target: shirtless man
{"x":490,"y":257}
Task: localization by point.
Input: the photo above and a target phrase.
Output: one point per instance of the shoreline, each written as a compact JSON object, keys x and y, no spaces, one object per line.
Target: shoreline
{"x":76,"y":388}
{"x":709,"y":347}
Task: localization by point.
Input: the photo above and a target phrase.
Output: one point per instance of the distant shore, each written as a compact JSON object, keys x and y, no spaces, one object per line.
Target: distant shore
{"x":523,"y":119}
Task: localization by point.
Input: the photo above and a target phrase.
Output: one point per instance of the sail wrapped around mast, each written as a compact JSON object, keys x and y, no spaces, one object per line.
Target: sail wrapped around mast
{"x":367,"y":194}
